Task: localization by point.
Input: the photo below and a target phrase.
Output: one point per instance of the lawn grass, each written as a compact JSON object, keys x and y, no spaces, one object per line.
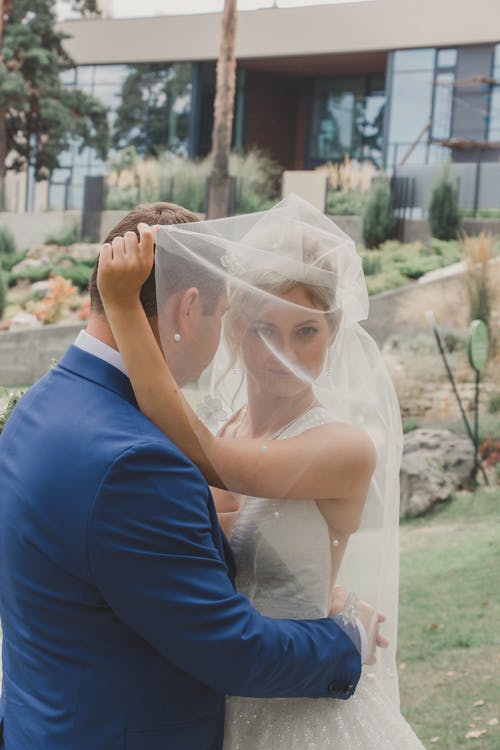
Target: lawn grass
{"x":449,"y":634}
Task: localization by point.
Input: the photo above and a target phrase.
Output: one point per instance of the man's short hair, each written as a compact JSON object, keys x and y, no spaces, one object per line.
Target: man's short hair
{"x":182,"y":273}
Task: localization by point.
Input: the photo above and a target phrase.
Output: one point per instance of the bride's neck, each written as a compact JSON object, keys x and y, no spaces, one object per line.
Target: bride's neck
{"x":267,"y":413}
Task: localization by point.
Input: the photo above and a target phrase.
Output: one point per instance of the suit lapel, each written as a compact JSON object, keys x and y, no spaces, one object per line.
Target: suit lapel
{"x":95,"y":369}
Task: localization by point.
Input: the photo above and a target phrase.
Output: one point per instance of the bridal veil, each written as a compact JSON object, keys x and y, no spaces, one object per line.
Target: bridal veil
{"x":260,"y":256}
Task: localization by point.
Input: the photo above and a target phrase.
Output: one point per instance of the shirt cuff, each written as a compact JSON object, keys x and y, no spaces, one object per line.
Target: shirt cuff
{"x":365,"y":645}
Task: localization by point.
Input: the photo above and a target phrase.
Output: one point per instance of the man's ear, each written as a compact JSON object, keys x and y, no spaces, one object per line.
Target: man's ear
{"x":188,"y":309}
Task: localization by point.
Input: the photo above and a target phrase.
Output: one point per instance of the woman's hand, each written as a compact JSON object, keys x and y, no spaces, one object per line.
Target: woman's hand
{"x":124,"y":266}
{"x":369,"y":618}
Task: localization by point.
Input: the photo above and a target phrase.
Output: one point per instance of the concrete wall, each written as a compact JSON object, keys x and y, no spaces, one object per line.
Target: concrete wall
{"x":417,"y":230}
{"x":487,"y":175}
{"x":404,"y":309}
{"x":275,"y":32}
{"x":27,"y":355}
{"x":33,"y":228}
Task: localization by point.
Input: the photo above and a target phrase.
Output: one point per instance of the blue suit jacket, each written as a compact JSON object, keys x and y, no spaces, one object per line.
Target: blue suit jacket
{"x":121,"y":627}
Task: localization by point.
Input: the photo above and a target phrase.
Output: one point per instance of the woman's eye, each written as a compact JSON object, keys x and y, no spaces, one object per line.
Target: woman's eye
{"x":307,"y":332}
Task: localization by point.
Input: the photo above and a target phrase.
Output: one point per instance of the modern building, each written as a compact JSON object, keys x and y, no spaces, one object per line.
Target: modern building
{"x":406,"y":85}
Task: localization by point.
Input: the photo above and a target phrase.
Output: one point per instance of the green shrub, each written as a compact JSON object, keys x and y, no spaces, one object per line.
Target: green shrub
{"x":372,"y":262}
{"x":30,"y":274}
{"x":7,"y":241}
{"x":184,"y":181}
{"x":121,"y":199}
{"x":385,"y":281}
{"x":258,"y":177}
{"x":379,"y":221}
{"x":8,"y":261}
{"x":413,"y":265}
{"x":3,"y":294}
{"x":449,"y":250}
{"x":6,"y":411}
{"x":497,"y":473}
{"x":64,"y":237}
{"x":482,"y":213}
{"x":188,"y":181}
{"x":454,"y":342}
{"x":494,"y":404}
{"x":340,"y":203}
{"x":444,"y":213}
{"x":410,"y":424}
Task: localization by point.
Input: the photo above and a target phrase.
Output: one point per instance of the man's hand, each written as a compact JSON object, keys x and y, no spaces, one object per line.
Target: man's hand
{"x":369,"y":618}
{"x":124,"y":266}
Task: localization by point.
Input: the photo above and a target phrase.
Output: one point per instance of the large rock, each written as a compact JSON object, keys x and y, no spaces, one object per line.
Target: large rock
{"x":435,"y":464}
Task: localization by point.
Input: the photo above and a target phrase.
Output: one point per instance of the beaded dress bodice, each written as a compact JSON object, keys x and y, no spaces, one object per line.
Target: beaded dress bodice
{"x":282,"y":548}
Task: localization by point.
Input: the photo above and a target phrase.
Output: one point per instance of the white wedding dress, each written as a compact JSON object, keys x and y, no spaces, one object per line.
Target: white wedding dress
{"x":282,"y":552}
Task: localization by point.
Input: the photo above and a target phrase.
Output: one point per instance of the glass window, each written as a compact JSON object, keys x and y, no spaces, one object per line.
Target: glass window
{"x":446,"y":58}
{"x":112,"y":74}
{"x":496,"y":59}
{"x":443,"y":100}
{"x":494,"y":115}
{"x":107,"y":95}
{"x":57,"y":195}
{"x":413,"y":59}
{"x":421,"y":92}
{"x":85,"y":76}
{"x":75,"y":196}
{"x":411,"y":99}
{"x":494,"y":128}
{"x":68,"y":77}
{"x":153,"y":108}
{"x":347,"y":118}
{"x":437,"y":154}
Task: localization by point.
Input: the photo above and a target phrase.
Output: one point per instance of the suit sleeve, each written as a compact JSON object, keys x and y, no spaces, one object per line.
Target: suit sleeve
{"x":153,"y":556}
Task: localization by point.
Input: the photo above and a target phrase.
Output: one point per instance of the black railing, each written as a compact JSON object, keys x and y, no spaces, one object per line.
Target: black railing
{"x":403,"y":201}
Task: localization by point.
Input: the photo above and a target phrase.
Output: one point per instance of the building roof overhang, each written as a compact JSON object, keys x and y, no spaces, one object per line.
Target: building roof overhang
{"x":341,"y":28}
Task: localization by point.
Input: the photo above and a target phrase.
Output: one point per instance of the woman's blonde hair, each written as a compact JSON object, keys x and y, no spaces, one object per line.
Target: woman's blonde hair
{"x":316,"y":277}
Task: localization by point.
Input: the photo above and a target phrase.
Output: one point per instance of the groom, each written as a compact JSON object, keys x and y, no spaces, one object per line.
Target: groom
{"x":121,"y":626}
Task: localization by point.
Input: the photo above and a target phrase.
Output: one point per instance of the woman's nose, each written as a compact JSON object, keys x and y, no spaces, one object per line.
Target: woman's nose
{"x":286,"y":353}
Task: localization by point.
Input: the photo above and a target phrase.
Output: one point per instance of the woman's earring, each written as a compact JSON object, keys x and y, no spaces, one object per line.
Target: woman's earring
{"x":177,"y":337}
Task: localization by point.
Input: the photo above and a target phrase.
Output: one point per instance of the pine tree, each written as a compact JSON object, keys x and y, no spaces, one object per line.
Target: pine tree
{"x":444,"y":212}
{"x":39,"y":116}
{"x":379,"y":220}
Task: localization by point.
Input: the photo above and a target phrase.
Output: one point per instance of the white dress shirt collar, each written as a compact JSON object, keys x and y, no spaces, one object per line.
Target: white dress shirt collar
{"x":98,"y":348}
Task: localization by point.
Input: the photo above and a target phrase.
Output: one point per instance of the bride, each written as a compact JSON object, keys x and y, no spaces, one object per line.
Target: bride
{"x":298,"y":398}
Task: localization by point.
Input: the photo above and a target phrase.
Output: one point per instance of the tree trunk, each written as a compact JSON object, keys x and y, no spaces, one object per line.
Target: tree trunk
{"x":223,"y":115}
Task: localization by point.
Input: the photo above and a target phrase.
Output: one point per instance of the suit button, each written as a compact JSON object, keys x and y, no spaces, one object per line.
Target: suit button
{"x":344,"y":688}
